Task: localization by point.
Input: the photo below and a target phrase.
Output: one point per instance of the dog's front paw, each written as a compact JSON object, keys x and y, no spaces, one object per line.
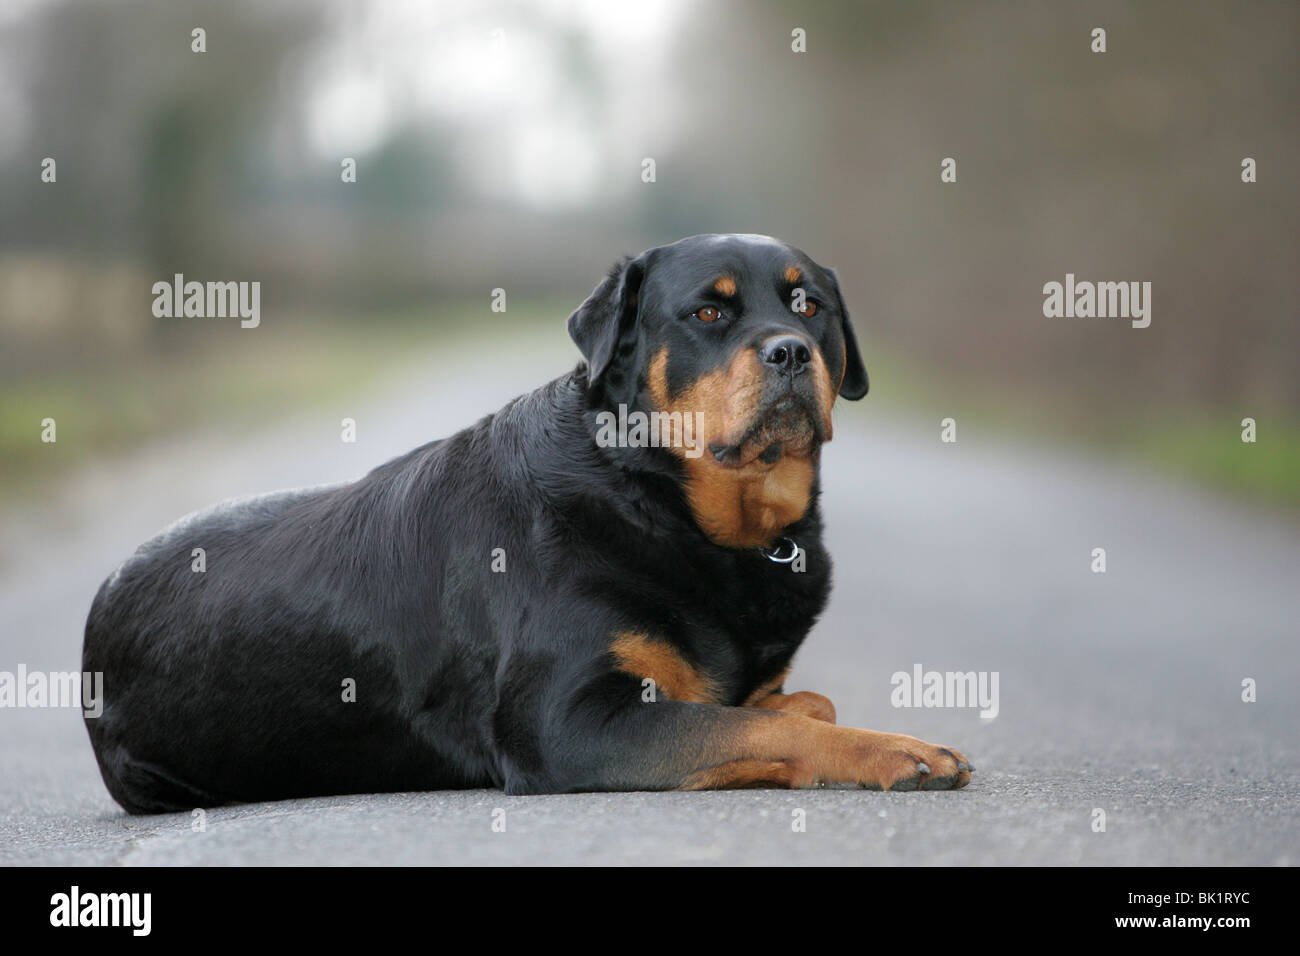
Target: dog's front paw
{"x":876,"y":761}
{"x":924,"y":766}
{"x":803,"y":702}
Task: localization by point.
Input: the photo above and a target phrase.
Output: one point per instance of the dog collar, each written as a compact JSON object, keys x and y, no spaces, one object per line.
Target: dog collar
{"x":784,"y":553}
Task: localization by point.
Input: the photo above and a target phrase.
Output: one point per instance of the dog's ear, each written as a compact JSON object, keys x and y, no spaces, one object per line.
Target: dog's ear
{"x":607,"y":317}
{"x":855,"y":382}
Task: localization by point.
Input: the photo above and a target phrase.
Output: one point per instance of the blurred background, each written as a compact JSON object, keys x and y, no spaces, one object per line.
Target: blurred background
{"x":500,"y":145}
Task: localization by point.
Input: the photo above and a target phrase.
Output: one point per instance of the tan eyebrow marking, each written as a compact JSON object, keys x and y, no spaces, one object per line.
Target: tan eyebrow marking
{"x":793,"y":275}
{"x":725,"y":285}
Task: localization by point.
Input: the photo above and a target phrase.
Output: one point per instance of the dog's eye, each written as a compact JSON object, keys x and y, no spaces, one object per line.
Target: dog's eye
{"x":809,"y":309}
{"x":708,"y":314}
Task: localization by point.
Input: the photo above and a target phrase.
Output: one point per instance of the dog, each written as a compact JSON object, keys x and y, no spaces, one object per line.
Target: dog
{"x":548,"y":601}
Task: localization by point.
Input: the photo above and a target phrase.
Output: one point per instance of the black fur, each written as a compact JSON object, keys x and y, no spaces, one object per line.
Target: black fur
{"x":227,"y":685}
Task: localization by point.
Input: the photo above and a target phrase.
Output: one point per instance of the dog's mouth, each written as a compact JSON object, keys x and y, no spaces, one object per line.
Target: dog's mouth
{"x":788,"y":426}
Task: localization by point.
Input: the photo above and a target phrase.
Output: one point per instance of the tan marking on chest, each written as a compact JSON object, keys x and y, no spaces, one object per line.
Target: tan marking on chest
{"x":749,"y":505}
{"x":675,"y":677}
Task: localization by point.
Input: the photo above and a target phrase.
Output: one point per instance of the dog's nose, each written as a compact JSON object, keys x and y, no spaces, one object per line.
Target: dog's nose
{"x":786,"y":353}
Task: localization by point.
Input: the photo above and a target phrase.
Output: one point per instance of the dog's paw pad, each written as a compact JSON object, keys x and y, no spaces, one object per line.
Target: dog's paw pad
{"x":941,"y":783}
{"x":907,"y":783}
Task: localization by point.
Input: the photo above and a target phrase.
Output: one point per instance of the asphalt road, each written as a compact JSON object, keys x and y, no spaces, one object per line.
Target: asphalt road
{"x":1118,"y":692}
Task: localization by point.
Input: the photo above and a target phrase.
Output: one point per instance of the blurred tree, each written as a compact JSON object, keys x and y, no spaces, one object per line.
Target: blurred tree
{"x":147,"y":132}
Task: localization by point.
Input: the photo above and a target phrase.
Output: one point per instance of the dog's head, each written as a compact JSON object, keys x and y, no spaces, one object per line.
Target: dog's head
{"x":733,"y":348}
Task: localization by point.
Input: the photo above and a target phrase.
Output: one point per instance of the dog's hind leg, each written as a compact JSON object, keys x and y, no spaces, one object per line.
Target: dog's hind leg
{"x":143,"y":787}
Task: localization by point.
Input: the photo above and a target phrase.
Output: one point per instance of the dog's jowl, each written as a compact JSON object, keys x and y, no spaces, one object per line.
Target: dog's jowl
{"x":551,"y":600}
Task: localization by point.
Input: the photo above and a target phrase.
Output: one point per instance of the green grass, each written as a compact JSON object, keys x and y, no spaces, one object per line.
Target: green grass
{"x":110,"y":406}
{"x":1267,"y":470}
{"x":1189,"y":441}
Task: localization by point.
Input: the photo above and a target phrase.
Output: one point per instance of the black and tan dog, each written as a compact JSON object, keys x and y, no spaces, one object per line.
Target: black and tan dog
{"x":543,"y":602}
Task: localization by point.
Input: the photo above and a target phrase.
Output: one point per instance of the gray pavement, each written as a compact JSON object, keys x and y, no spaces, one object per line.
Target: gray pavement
{"x":1118,"y":691}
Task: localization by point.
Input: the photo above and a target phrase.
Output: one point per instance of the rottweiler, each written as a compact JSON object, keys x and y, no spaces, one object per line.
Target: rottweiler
{"x":599,"y":587}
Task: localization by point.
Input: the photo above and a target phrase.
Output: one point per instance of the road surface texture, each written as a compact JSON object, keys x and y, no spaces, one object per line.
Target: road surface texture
{"x":1118,"y":692}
